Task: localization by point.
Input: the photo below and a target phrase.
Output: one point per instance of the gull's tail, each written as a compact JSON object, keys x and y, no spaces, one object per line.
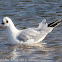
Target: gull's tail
{"x":54,"y":24}
{"x":43,"y":26}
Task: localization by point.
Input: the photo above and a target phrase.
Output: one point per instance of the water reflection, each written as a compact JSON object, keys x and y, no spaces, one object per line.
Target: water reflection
{"x":31,"y":53}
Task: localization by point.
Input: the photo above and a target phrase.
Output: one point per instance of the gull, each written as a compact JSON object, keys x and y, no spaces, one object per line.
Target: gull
{"x":27,"y":36}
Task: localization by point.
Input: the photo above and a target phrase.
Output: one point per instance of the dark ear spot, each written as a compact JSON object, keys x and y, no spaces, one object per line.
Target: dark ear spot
{"x":6,"y":21}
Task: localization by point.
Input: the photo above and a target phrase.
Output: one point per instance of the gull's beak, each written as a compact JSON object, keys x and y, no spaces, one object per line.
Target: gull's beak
{"x":0,"y":26}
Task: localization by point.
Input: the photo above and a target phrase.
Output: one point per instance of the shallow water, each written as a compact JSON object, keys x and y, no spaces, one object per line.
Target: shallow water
{"x":25,"y":14}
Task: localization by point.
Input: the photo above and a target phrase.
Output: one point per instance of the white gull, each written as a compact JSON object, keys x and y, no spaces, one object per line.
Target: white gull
{"x":27,"y":36}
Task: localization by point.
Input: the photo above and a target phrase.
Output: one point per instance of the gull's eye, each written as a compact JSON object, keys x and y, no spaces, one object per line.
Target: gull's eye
{"x":6,"y":21}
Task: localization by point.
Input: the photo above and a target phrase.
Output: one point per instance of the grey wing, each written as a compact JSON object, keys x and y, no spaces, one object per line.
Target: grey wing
{"x":27,"y":34}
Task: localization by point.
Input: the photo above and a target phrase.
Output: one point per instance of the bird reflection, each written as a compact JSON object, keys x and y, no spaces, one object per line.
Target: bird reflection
{"x":33,"y":52}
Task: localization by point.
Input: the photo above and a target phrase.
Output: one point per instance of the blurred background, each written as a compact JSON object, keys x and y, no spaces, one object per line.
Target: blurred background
{"x":29,"y":13}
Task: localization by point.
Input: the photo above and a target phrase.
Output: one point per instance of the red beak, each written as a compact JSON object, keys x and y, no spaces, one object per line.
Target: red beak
{"x":0,"y":26}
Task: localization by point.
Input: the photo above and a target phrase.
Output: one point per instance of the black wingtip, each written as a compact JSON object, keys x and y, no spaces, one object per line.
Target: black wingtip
{"x":54,"y":24}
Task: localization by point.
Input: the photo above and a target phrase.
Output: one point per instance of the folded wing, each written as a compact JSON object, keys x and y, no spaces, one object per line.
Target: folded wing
{"x":27,"y":34}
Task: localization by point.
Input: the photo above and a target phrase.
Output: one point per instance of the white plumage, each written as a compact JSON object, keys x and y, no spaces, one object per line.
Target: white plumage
{"x":25,"y":36}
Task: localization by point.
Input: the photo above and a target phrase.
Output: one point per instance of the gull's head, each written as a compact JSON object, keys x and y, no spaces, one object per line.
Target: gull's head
{"x":6,"y":22}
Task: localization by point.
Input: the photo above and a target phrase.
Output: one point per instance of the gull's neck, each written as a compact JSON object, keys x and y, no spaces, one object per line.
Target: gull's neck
{"x":12,"y":29}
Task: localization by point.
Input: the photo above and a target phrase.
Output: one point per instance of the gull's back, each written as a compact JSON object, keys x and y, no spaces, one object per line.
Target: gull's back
{"x":37,"y":34}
